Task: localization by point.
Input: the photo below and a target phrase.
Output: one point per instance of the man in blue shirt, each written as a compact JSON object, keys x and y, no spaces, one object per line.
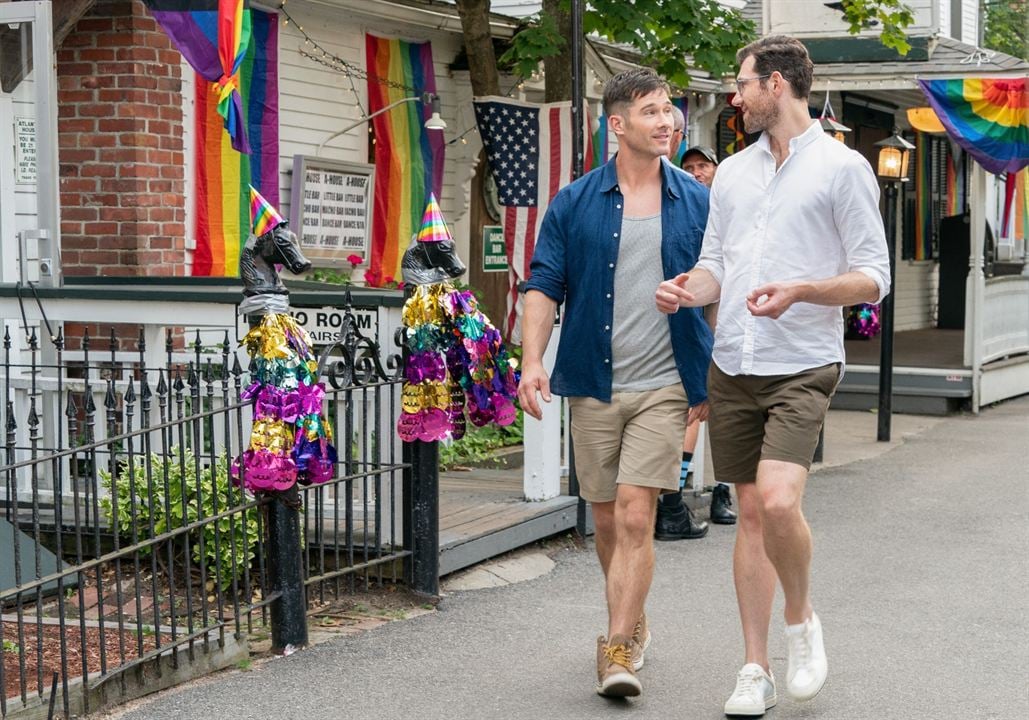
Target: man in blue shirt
{"x":634,"y":377}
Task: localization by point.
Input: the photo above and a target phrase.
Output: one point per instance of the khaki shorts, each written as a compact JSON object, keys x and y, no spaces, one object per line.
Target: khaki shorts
{"x":636,"y":439}
{"x":766,"y":417}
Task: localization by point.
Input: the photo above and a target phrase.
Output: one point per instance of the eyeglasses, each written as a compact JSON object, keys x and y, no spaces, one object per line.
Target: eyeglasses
{"x":740,"y":83}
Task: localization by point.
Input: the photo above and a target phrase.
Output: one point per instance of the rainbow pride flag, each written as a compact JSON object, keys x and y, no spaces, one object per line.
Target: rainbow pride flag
{"x":988,"y":117}
{"x":408,"y":158}
{"x":223,"y":176}
{"x":923,"y":194}
{"x":955,"y":183}
{"x":213,"y":36}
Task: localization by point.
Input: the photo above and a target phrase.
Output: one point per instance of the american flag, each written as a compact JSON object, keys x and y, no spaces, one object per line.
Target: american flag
{"x":529,"y":150}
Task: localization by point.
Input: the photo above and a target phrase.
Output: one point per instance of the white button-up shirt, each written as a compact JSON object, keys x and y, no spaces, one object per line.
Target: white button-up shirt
{"x":815,"y":217}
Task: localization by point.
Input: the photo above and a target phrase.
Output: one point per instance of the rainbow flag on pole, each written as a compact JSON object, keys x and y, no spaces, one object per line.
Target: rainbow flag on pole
{"x":988,"y":117}
{"x":408,"y":158}
{"x":223,"y":176}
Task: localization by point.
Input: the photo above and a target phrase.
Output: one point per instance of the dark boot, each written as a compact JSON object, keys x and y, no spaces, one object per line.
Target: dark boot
{"x":721,"y":504}
{"x":675,"y":521}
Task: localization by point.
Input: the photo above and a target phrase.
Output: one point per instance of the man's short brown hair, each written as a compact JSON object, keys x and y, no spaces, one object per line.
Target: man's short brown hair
{"x":626,"y":87}
{"x":784,"y":54}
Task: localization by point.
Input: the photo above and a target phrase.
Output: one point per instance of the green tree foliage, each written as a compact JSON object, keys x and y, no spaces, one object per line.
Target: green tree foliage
{"x":892,"y":15}
{"x":1006,"y":27}
{"x":673,"y":36}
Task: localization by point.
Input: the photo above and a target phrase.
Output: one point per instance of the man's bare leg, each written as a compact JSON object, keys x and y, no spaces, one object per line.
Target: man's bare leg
{"x":632,"y":560}
{"x":604,"y":532}
{"x":787,"y":537}
{"x":754,"y":576}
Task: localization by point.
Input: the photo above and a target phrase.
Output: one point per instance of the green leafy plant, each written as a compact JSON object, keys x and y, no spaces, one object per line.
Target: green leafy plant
{"x":479,"y":443}
{"x":11,"y":647}
{"x":335,"y":275}
{"x":178,"y":495}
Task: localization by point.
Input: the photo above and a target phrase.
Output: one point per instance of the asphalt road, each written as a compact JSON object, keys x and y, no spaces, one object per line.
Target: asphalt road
{"x":921,"y":578}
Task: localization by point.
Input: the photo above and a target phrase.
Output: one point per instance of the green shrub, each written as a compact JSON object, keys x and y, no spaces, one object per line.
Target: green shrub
{"x":173,"y":503}
{"x":480,"y":442}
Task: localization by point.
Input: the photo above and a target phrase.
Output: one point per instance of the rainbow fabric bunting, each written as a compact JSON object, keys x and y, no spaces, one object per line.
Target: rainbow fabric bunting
{"x":234,"y":33}
{"x":434,"y":227}
{"x":213,"y":36}
{"x":988,"y":117}
{"x":408,"y":158}
{"x":263,"y":217}
{"x":223,"y":176}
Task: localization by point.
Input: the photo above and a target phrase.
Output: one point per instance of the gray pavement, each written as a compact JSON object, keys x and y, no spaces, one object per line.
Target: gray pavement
{"x":920,"y":577}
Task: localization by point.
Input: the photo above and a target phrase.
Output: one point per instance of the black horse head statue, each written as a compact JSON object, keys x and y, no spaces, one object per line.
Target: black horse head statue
{"x":425,"y":263}
{"x":260,"y":255}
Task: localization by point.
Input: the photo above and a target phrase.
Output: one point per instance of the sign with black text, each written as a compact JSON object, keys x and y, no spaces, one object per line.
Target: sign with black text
{"x":323,"y":324}
{"x":25,"y":150}
{"x":331,"y":207}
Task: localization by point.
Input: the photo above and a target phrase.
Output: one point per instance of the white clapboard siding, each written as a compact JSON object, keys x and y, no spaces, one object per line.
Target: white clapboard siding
{"x":810,"y":18}
{"x":916,"y":294}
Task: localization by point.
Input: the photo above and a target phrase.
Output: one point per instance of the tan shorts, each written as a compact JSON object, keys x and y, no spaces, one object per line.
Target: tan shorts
{"x":770,"y":417}
{"x":636,"y":439}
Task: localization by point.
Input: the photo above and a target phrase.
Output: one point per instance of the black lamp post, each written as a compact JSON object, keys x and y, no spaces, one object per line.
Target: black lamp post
{"x":894,"y":153}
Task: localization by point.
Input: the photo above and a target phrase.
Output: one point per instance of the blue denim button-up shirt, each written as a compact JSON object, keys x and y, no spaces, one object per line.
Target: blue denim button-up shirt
{"x":574,"y":264}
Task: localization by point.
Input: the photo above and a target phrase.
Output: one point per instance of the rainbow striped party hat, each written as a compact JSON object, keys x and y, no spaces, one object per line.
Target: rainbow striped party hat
{"x":263,"y":217}
{"x":434,"y":227}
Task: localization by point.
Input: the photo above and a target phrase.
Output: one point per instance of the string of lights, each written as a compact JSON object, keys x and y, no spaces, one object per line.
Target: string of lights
{"x":323,"y":57}
{"x":331,"y":60}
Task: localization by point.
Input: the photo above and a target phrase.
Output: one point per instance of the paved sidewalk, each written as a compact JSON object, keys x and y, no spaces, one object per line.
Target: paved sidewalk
{"x":921,"y":580}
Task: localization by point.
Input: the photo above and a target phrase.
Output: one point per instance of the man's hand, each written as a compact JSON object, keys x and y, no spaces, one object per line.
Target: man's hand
{"x":534,"y":379}
{"x":772,"y":300}
{"x":698,"y":413}
{"x":672,"y":294}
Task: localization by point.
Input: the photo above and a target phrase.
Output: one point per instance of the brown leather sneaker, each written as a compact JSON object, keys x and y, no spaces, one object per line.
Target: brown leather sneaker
{"x":616,"y":676}
{"x":640,"y":641}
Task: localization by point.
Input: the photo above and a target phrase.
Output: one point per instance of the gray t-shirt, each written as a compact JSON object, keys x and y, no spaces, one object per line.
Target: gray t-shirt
{"x":641,"y":343}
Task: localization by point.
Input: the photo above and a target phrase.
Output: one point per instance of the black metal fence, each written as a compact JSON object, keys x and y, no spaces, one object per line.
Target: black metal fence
{"x":125,"y":538}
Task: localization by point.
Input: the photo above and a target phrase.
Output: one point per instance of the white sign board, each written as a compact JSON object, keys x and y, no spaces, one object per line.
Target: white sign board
{"x":25,"y":150}
{"x":323,"y":324}
{"x":331,"y":208}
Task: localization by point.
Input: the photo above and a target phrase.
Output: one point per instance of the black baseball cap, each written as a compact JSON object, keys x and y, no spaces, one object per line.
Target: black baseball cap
{"x":707,"y":152}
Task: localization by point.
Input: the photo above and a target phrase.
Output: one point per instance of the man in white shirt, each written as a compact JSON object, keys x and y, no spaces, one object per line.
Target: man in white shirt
{"x":794,"y":233}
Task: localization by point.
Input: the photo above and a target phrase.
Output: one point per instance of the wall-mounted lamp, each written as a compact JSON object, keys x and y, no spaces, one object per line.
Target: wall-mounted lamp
{"x":435,"y":122}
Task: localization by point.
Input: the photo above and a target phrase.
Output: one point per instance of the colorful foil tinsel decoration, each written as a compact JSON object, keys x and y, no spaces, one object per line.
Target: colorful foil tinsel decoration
{"x":457,"y":364}
{"x":290,"y":441}
{"x":863,"y":322}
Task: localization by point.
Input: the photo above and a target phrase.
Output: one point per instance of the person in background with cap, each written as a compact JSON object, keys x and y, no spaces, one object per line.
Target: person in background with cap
{"x":675,"y":520}
{"x":702,"y":163}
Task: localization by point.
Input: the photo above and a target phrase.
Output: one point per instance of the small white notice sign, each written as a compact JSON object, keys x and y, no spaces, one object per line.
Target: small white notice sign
{"x":25,"y":150}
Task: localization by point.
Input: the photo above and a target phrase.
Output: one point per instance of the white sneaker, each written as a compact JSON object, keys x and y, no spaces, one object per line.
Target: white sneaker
{"x":808,"y":666}
{"x":754,"y":693}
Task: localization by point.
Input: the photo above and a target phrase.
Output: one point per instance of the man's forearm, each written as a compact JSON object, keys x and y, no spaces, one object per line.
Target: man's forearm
{"x":850,"y":288}
{"x":537,"y":325}
{"x":704,"y":288}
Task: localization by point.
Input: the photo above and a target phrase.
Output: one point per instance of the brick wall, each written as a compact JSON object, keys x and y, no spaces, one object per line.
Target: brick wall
{"x":120,"y":134}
